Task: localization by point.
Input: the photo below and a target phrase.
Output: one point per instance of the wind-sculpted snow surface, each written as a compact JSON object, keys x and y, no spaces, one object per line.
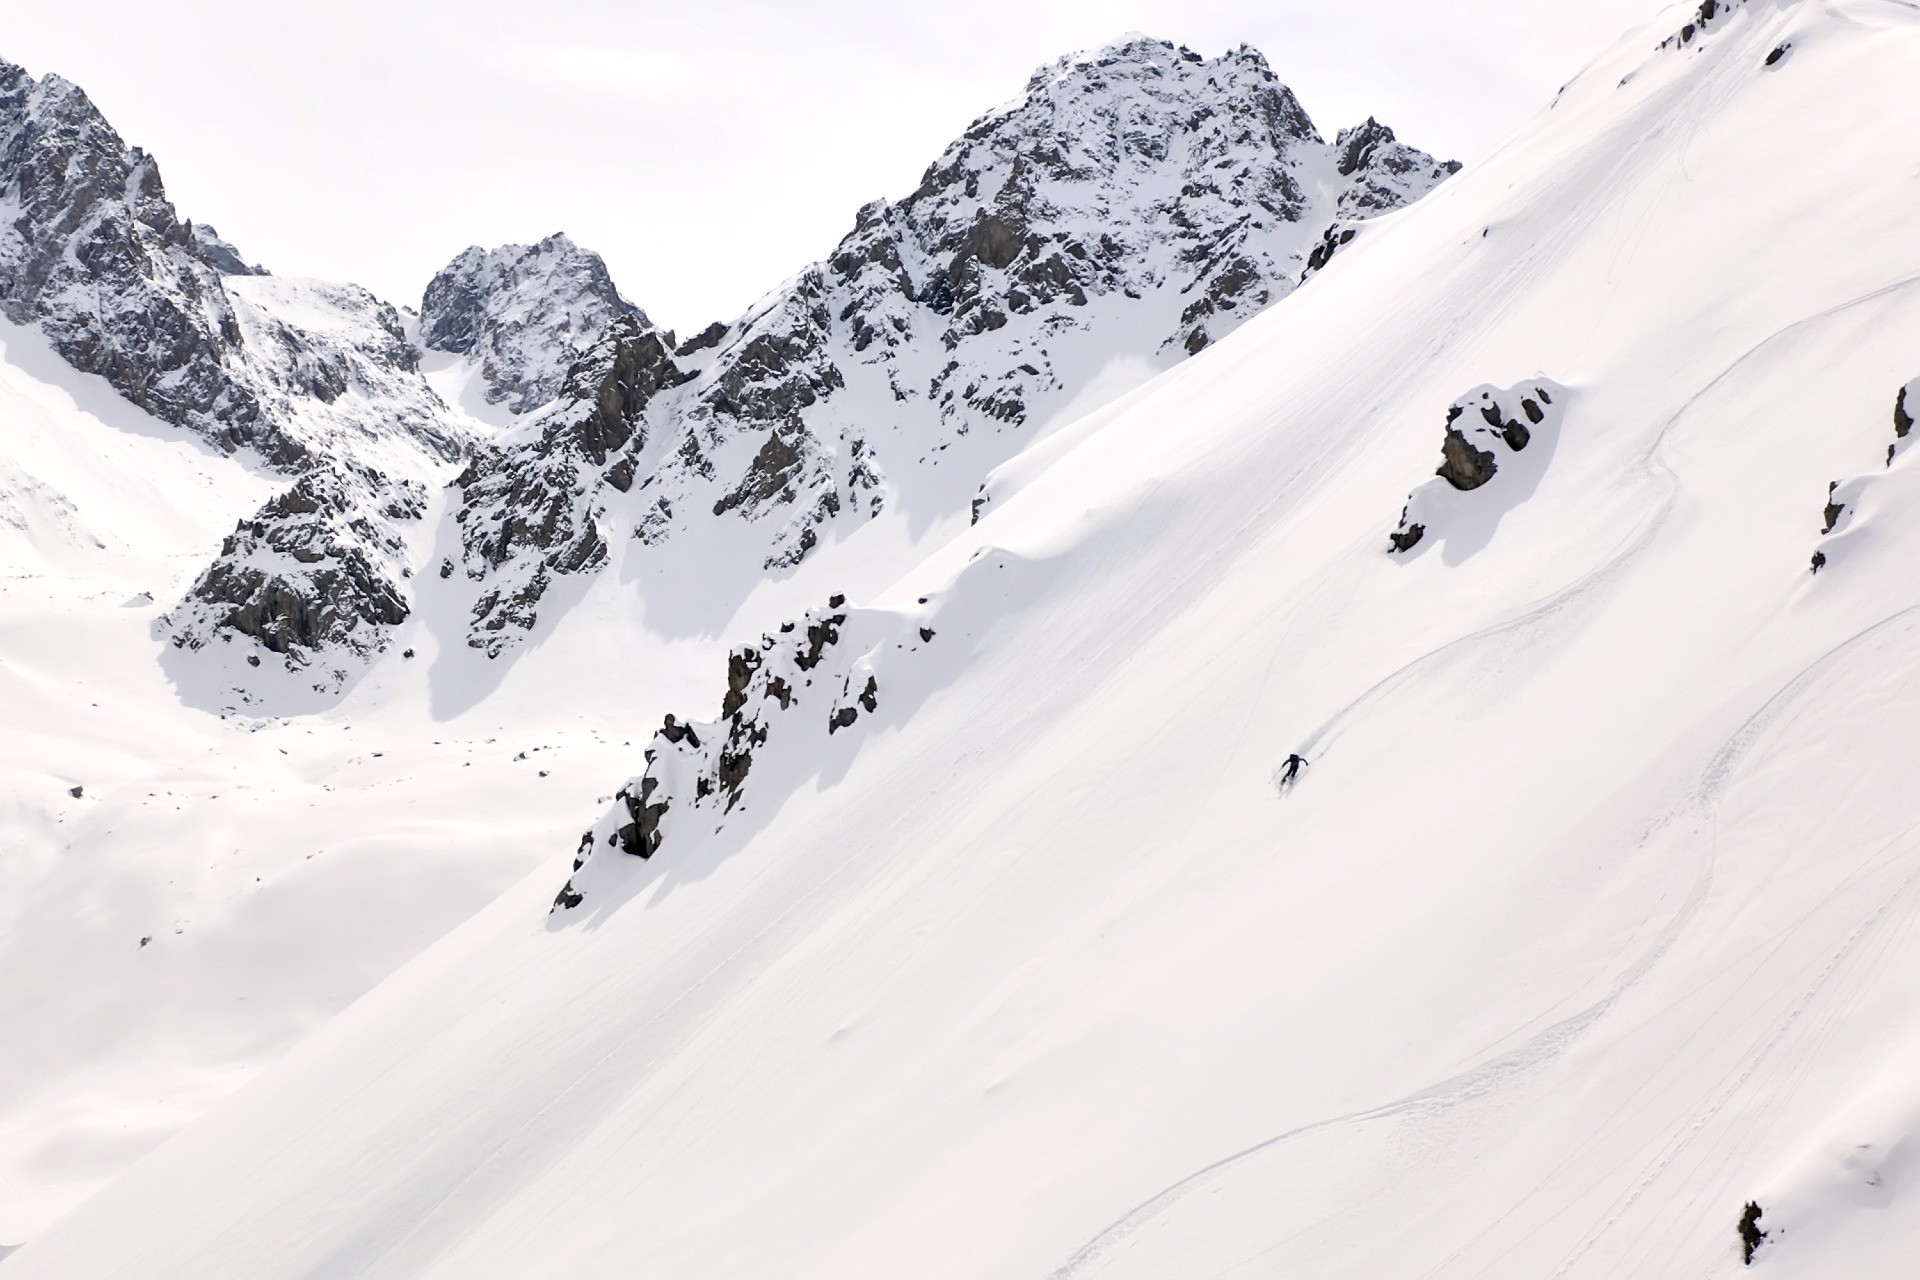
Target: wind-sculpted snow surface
{"x":523,"y":314}
{"x":1488,"y":433}
{"x":1136,"y":203}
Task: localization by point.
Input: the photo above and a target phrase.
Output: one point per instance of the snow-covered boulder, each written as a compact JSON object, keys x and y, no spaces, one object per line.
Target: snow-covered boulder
{"x":1500,"y":436}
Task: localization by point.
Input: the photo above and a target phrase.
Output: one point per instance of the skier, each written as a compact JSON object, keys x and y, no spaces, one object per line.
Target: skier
{"x":1291,"y":769}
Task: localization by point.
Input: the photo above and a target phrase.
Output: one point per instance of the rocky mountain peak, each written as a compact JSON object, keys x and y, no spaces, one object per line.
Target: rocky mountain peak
{"x":95,"y":254}
{"x":1135,"y":204}
{"x":320,"y":381}
{"x":523,"y":313}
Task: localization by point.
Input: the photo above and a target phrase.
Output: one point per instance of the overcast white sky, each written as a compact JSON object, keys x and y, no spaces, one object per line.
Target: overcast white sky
{"x":707,"y":148}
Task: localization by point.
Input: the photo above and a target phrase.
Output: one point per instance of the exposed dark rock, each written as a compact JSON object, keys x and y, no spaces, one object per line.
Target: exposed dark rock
{"x":524,"y":313}
{"x":705,"y":340}
{"x":1902,"y":420}
{"x":1751,"y":1236}
{"x":1706,"y":17}
{"x":521,"y":499}
{"x":1132,"y":172}
{"x":317,"y":566}
{"x":1462,"y":465}
{"x":707,"y":768}
{"x":310,"y":376}
{"x":1470,"y":451}
{"x":122,"y":288}
{"x":1833,"y":510}
{"x":1382,"y":168}
{"x":741,"y":664}
{"x":1330,"y":243}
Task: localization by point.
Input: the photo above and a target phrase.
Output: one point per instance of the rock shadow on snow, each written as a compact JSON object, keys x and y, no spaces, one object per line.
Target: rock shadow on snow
{"x":797,"y":708}
{"x":1497,"y":445}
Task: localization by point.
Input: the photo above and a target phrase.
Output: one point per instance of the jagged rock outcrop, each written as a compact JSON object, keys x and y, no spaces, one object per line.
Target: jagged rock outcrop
{"x":315,"y":565}
{"x":1380,"y":170}
{"x":1844,"y":497}
{"x":93,"y":252}
{"x":324,"y":566}
{"x":1902,"y":417}
{"x":524,"y":314}
{"x":319,"y":380}
{"x":1707,"y":16}
{"x":1138,"y":201}
{"x":812,"y":679}
{"x":1485,"y":427}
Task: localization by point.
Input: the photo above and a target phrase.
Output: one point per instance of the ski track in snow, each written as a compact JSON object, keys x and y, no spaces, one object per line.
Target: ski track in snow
{"x":1603,"y":959}
{"x":1711,"y":786}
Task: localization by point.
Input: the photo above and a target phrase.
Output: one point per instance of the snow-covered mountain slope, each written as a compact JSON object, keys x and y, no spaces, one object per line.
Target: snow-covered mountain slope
{"x":312,"y":583}
{"x":522,"y":315}
{"x":296,"y":569}
{"x":317,"y":380}
{"x":1134,"y":204}
{"x":1591,"y":921}
{"x":184,"y":895}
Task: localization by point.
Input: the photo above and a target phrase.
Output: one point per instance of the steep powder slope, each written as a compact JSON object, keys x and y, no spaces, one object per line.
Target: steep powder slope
{"x":1591,"y":920}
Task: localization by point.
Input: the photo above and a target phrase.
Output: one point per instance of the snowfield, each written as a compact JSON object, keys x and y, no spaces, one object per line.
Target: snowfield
{"x":1594,"y":917}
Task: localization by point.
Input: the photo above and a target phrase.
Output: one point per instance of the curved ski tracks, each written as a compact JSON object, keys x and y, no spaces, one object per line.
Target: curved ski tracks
{"x":1707,"y":792}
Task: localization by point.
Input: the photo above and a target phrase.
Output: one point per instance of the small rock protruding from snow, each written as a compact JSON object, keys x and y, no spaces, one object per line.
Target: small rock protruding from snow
{"x":1834,"y":508}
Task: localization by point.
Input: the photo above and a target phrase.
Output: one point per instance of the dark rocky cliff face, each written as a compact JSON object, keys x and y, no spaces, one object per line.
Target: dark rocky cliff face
{"x":92,"y":251}
{"x":524,"y":314}
{"x":319,"y":381}
{"x":1136,"y":202}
